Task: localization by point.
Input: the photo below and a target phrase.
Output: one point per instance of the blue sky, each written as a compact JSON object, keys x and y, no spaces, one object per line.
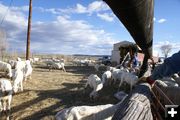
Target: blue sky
{"x":81,"y":26}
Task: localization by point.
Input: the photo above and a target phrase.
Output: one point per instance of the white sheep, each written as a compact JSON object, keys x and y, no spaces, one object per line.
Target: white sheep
{"x":48,"y":62}
{"x":20,"y":65}
{"x":27,"y":70}
{"x":109,"y":68}
{"x":6,"y":67}
{"x":31,"y":60}
{"x":84,"y":62}
{"x":116,"y":75}
{"x":57,"y":66}
{"x":129,"y":78}
{"x":18,"y":77}
{"x":5,"y":94}
{"x":98,"y":112}
{"x":35,"y":59}
{"x":94,"y":82}
{"x":106,"y":77}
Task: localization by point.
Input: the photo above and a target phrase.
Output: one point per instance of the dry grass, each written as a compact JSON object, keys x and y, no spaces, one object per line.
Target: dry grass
{"x":50,"y":91}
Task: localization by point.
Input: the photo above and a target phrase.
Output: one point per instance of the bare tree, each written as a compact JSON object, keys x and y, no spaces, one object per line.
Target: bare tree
{"x":3,"y":44}
{"x":166,"y":49}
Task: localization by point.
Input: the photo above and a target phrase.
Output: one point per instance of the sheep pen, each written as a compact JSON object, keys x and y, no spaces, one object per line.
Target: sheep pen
{"x":48,"y":92}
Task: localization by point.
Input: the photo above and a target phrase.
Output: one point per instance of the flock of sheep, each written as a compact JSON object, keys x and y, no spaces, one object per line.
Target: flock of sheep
{"x":13,"y":73}
{"x":19,"y":71}
{"x":110,"y":77}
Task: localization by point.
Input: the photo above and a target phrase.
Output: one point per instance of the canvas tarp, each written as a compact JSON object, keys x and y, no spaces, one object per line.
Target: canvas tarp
{"x":137,"y":17}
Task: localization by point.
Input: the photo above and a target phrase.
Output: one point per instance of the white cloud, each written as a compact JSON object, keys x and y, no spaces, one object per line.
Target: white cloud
{"x":22,"y":8}
{"x":159,"y":44}
{"x":49,"y":10}
{"x":70,"y":37}
{"x":94,"y":7}
{"x":13,"y":16}
{"x":52,"y":10}
{"x":62,"y":35}
{"x":162,"y":20}
{"x":106,"y":17}
{"x":97,"y":6}
{"x":14,"y":23}
{"x":80,"y":8}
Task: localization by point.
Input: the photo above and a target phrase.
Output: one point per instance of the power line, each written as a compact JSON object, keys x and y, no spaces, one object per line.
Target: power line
{"x":10,"y":4}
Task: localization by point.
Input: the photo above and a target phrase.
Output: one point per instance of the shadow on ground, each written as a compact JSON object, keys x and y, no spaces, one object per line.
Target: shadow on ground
{"x":71,"y":95}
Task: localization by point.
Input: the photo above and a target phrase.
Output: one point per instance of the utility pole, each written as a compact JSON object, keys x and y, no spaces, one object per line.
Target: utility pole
{"x":29,"y":31}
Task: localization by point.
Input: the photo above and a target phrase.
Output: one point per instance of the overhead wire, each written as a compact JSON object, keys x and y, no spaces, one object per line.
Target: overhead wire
{"x":3,"y":18}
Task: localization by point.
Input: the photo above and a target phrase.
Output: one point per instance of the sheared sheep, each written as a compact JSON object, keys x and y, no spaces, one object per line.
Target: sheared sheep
{"x":129,"y":78}
{"x":5,"y":94}
{"x":20,"y":65}
{"x":107,"y":78}
{"x":94,"y":82}
{"x":109,"y":68}
{"x":27,"y":70}
{"x":99,"y":112}
{"x":6,"y":67}
{"x":58,"y":65}
{"x":18,"y":80}
{"x":116,"y":75}
{"x":35,"y":59}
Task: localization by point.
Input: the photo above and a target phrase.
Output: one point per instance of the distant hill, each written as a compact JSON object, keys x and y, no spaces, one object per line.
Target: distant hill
{"x":90,"y":55}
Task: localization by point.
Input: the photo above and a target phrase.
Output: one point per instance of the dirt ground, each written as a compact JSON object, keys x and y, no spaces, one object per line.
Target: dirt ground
{"x":50,"y":91}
